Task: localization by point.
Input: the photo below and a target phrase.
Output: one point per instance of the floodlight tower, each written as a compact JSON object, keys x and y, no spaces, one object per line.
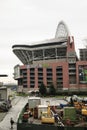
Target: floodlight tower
{"x":85,"y":42}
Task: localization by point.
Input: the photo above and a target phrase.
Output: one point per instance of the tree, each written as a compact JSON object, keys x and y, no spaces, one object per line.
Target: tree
{"x":52,"y":90}
{"x":42,"y":89}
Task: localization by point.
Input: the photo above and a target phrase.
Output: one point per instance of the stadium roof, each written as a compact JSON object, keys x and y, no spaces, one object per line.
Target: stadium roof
{"x":27,"y":53}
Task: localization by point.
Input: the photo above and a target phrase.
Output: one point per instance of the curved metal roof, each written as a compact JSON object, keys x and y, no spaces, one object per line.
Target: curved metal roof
{"x":47,"y":49}
{"x":48,"y":42}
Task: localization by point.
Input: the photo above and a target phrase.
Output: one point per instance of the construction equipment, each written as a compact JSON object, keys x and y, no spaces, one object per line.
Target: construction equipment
{"x":81,"y":107}
{"x":84,"y":112}
{"x":47,"y":117}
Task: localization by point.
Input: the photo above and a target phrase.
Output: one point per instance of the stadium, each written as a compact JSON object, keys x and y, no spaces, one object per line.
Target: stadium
{"x":52,"y":61}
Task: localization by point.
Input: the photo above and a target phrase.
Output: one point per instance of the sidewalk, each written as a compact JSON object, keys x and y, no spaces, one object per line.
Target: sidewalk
{"x":14,"y":102}
{"x":2,"y":115}
{"x":17,"y":105}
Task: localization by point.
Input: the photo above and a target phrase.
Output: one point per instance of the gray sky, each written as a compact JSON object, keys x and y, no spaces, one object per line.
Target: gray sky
{"x":23,"y":21}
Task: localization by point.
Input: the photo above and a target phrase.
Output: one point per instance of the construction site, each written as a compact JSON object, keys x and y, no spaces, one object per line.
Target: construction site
{"x":54,"y":114}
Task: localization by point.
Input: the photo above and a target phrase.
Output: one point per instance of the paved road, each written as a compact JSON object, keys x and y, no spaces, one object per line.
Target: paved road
{"x":17,"y":105}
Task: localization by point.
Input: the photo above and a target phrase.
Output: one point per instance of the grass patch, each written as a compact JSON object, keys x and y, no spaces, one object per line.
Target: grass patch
{"x":22,"y":94}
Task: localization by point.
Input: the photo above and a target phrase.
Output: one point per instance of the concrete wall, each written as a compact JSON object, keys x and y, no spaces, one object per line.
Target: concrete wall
{"x":3,"y":93}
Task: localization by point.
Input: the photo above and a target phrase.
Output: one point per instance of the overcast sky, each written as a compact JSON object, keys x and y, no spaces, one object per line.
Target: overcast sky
{"x":26,"y":21}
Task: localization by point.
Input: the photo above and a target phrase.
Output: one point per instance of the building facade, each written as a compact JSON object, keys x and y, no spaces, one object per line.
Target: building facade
{"x":52,"y":61}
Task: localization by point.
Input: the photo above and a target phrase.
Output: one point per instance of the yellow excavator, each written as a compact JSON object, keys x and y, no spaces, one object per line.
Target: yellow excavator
{"x":82,"y":107}
{"x":47,"y":117}
{"x":84,"y":110}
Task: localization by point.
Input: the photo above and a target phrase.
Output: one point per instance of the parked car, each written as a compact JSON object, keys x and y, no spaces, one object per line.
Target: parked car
{"x":5,"y":105}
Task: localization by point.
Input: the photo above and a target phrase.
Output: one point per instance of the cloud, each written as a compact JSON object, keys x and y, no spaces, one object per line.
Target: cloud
{"x":24,"y":21}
